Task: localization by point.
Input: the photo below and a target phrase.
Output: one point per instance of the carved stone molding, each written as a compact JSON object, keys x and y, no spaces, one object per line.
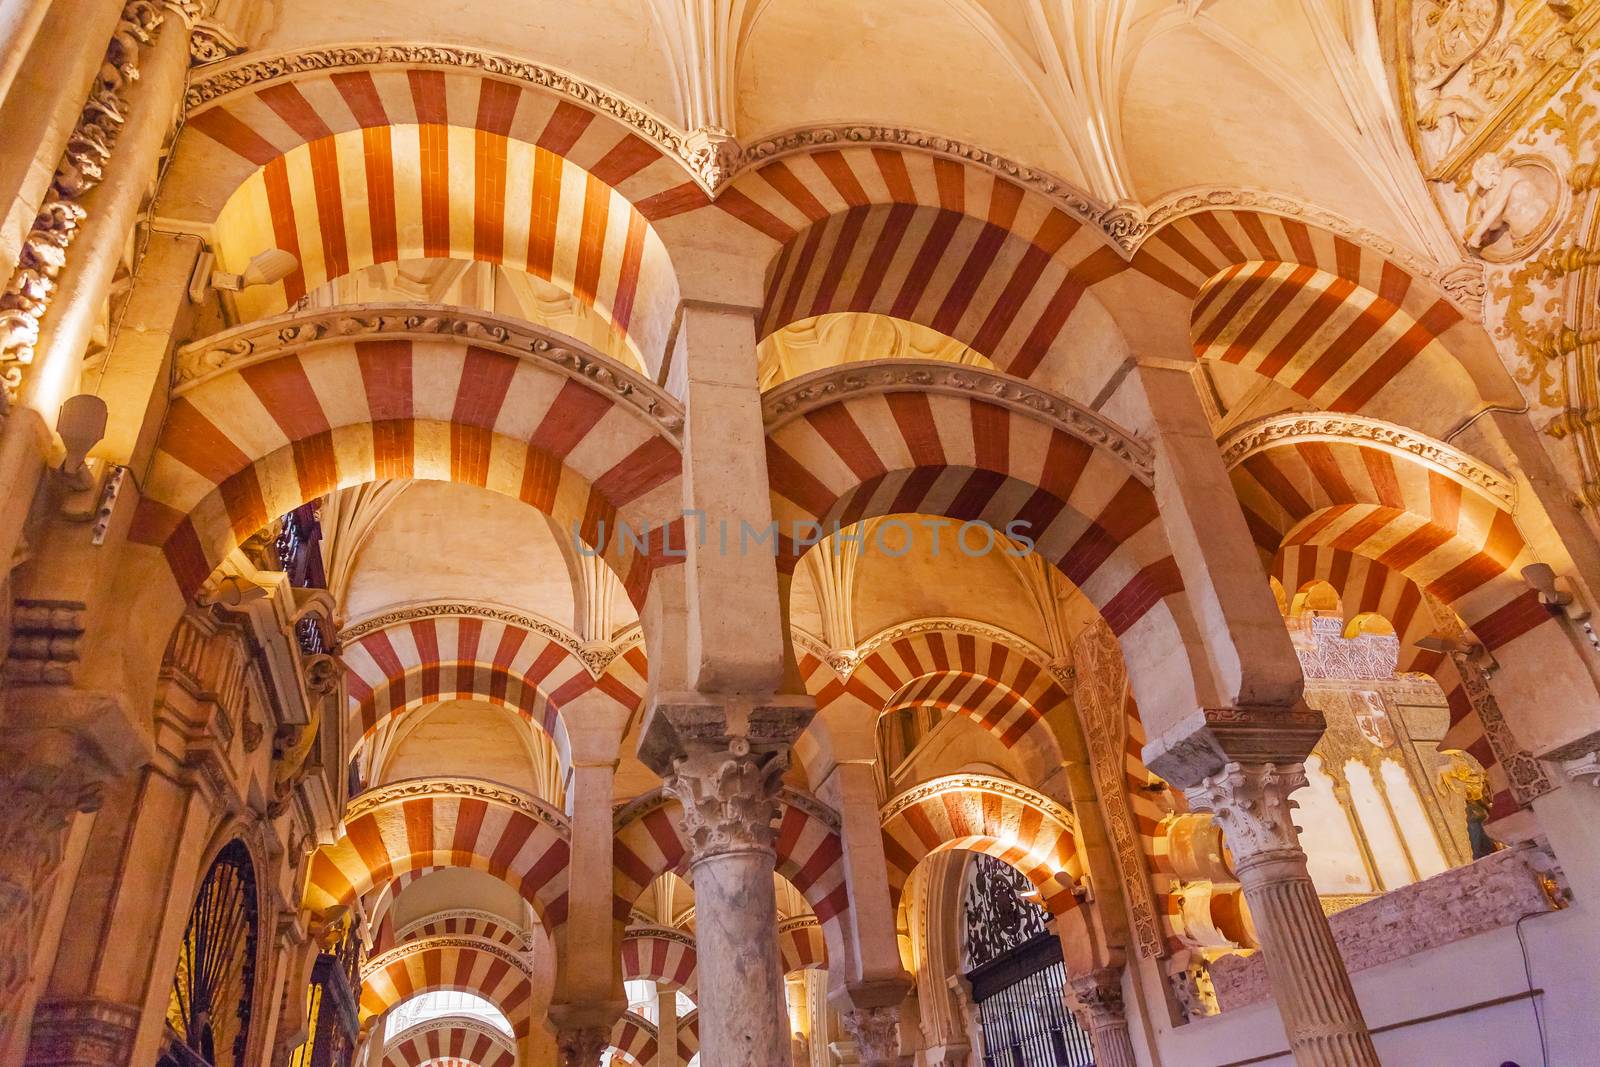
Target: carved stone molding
{"x":811,"y":391}
{"x":876,"y":1032}
{"x":660,"y":933}
{"x":255,"y":72}
{"x":1100,"y":993}
{"x":1281,"y":430}
{"x":971,"y":627}
{"x":449,"y":1023}
{"x":729,"y":799}
{"x":1252,"y":805}
{"x":32,"y":286}
{"x":413,"y":788}
{"x":212,"y":42}
{"x":432,"y":944}
{"x":594,"y":655}
{"x":799,"y":922}
{"x":475,"y":914}
{"x":46,"y":636}
{"x":82,"y":1033}
{"x":1122,"y":223}
{"x":280,"y":335}
{"x":644,"y":804}
{"x":978,"y":783}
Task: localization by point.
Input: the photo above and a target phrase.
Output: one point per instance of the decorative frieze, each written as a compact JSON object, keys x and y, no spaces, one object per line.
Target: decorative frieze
{"x":461,"y":787}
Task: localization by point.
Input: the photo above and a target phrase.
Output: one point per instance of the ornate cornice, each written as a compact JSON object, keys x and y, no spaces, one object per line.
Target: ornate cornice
{"x":819,"y":388}
{"x":596,"y":657}
{"x":476,"y":789}
{"x":1280,"y":430}
{"x":431,"y":944}
{"x":254,"y":72}
{"x":977,"y":783}
{"x":663,"y":933}
{"x":266,"y":339}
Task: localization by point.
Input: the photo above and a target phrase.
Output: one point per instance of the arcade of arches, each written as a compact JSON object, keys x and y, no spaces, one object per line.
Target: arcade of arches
{"x":762,"y":533}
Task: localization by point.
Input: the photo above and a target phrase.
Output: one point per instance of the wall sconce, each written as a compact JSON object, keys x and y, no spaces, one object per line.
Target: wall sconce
{"x":1542,"y":579}
{"x":264,"y":268}
{"x":232,"y":592}
{"x":81,"y":424}
{"x":1476,"y":655}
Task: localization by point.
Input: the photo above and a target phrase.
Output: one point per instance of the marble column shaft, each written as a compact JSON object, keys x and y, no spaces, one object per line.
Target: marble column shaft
{"x":729,"y":799}
{"x":1304,"y":969}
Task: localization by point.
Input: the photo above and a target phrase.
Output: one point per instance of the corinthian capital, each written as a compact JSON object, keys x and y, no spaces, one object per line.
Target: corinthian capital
{"x":1100,"y":992}
{"x":1251,"y":803}
{"x":729,"y":797}
{"x":582,"y":1046}
{"x":876,"y":1032}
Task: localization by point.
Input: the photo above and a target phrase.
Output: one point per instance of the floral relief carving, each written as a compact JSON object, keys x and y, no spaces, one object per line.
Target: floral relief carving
{"x":1252,"y":805}
{"x":257,"y":341}
{"x":595,"y":655}
{"x":729,"y":798}
{"x":876,"y":1032}
{"x":433,"y":944}
{"x":978,"y":783}
{"x":462,"y":787}
{"x":804,"y":394}
{"x":44,"y":251}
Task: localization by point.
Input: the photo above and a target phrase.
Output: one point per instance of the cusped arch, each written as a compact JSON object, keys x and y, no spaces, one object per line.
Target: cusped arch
{"x":282,"y":414}
{"x":454,"y":964}
{"x":454,"y":1039}
{"x":660,"y":954}
{"x":423,"y":824}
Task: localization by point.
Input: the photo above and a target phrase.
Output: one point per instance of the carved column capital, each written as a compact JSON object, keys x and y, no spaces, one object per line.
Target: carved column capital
{"x":582,"y":1046}
{"x":1100,"y":993}
{"x":876,"y":1032}
{"x":1251,"y":804}
{"x":729,"y":797}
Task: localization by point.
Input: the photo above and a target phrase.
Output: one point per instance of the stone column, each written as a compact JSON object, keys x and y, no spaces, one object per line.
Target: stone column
{"x":1304,"y":969}
{"x":730,"y":802}
{"x":666,"y":1027}
{"x":1099,"y":995}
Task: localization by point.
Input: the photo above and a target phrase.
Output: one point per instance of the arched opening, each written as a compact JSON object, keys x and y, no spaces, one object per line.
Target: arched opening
{"x":213,"y":988}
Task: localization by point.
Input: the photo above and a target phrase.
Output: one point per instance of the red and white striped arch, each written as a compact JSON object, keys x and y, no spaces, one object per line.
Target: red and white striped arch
{"x":659,"y":955}
{"x":987,"y":815}
{"x":417,"y":661}
{"x":880,"y":452}
{"x":688,"y":1036}
{"x":449,"y":1042}
{"x":244,"y":445}
{"x":802,"y":944}
{"x":634,"y":1039}
{"x":1453,"y":539}
{"x":1001,"y":688}
{"x":650,"y":842}
{"x":360,"y":166}
{"x":464,"y":923}
{"x":1336,"y":321}
{"x":463,"y":965}
{"x":421,"y":824}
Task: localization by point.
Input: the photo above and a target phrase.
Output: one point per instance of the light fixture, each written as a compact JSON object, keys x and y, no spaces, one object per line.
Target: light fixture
{"x":81,"y":424}
{"x":1475,"y":653}
{"x":1542,"y":579}
{"x":264,"y":268}
{"x":234,"y":591}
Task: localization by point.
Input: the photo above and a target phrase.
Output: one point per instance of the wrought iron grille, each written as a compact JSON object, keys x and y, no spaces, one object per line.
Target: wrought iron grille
{"x":1022,"y":1009}
{"x":209,"y":1009}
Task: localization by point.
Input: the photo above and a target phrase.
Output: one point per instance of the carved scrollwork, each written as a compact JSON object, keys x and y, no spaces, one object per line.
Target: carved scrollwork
{"x":258,"y":341}
{"x":808,"y":392}
{"x":978,"y":783}
{"x":433,"y":944}
{"x":44,"y":251}
{"x":596,"y":656}
{"x":729,"y":799}
{"x":1278,"y":430}
{"x":1252,"y":805}
{"x":876,"y":1032}
{"x":463,"y":787}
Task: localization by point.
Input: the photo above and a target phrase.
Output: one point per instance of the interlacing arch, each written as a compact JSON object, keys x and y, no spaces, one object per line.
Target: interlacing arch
{"x":448,"y":1042}
{"x":1335,"y":320}
{"x":373,"y":164}
{"x":650,"y":842}
{"x":265,"y":432}
{"x":455,"y":964}
{"x":634,"y":1038}
{"x":660,"y":954}
{"x":425,"y":655}
{"x":1073,"y":484}
{"x":423,"y":824}
{"x":997,"y":684}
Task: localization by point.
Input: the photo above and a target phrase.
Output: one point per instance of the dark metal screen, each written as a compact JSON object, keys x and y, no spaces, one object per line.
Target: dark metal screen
{"x":1022,"y":1009}
{"x":208,"y":1011}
